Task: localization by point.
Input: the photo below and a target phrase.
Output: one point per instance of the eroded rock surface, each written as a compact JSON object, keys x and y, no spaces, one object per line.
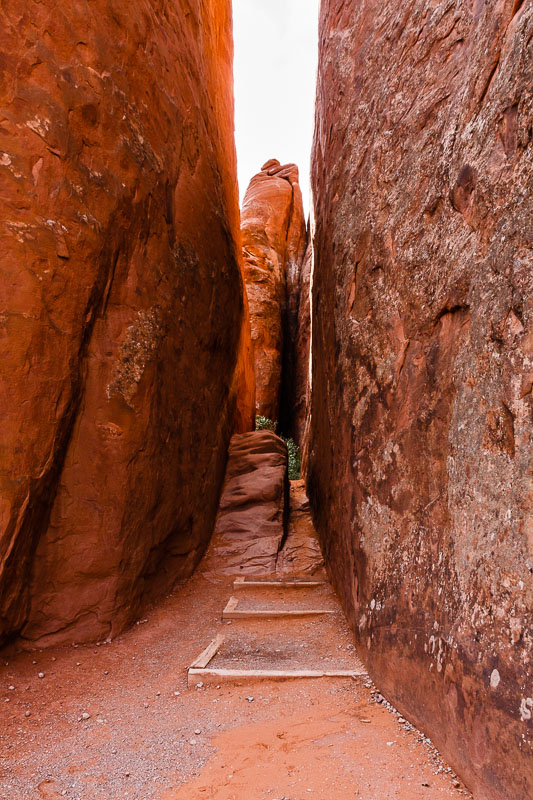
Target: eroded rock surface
{"x":297,"y":383}
{"x":301,"y":556}
{"x":121,"y":303}
{"x":253,"y":516}
{"x":274,"y":241}
{"x":420,"y":456}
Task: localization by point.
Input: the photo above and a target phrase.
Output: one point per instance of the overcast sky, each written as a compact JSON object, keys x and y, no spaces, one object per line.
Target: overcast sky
{"x":275,"y":76}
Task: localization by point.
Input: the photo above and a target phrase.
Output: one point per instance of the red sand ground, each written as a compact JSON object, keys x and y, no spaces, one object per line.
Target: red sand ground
{"x":149,"y":737}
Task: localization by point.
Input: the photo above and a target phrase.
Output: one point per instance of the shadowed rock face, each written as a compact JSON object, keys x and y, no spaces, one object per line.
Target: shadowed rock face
{"x":420,"y":463}
{"x":274,"y":240}
{"x":297,"y":387}
{"x":121,"y":292}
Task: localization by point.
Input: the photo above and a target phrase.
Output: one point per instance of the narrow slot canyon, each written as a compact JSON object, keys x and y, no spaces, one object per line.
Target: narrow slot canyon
{"x":266,"y":526}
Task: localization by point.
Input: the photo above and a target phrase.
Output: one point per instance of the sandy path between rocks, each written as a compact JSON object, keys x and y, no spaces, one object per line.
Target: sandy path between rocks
{"x":149,"y":737}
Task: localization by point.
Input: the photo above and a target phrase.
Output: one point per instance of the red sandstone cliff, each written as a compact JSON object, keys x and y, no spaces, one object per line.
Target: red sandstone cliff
{"x":274,"y":240}
{"x":421,"y":436}
{"x":121,"y":302}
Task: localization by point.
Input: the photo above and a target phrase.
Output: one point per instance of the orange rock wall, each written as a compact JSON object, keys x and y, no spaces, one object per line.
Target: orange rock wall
{"x":273,"y":240}
{"x":296,"y":386}
{"x":420,"y":458}
{"x":244,"y":377}
{"x":121,"y":292}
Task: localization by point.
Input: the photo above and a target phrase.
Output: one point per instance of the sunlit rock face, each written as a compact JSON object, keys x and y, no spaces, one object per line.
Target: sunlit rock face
{"x":420,"y":459}
{"x":121,"y":306}
{"x":274,"y":241}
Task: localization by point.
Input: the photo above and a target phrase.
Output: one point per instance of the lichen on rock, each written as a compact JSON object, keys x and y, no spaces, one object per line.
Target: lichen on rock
{"x":138,"y":348}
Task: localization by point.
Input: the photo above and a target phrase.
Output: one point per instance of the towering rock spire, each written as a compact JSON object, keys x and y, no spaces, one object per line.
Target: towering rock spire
{"x":274,"y":240}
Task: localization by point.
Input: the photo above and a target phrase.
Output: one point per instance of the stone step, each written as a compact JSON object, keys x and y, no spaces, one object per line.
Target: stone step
{"x":242,"y":583}
{"x":215,"y":676}
{"x":232,"y":612}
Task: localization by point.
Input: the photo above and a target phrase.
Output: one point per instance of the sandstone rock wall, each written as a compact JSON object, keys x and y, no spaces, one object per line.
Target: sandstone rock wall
{"x":121,"y":292}
{"x":297,"y":388}
{"x":420,"y":459}
{"x":274,"y":241}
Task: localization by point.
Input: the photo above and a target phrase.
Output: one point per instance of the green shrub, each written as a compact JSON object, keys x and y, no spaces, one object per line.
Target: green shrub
{"x":264,"y":424}
{"x":295,"y":458}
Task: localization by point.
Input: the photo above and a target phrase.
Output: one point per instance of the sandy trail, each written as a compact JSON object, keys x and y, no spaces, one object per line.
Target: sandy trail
{"x":149,"y":737}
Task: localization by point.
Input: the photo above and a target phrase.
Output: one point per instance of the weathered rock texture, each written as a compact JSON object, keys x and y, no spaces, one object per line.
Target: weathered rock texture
{"x":420,"y":463}
{"x":253,"y":517}
{"x":274,"y":241}
{"x":121,"y":305}
{"x":301,"y":555}
{"x":297,"y":388}
{"x":243,"y":388}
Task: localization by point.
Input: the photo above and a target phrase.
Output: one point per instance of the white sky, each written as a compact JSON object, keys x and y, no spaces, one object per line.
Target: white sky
{"x":276,"y":45}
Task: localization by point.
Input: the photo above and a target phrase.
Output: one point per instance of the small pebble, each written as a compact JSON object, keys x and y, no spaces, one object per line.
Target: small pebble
{"x":199,"y":685}
{"x":85,"y":715}
{"x":176,"y":694}
{"x":11,"y":688}
{"x":27,"y":713}
{"x":198,"y":731}
{"x":40,"y":675}
{"x":250,"y":699}
{"x":158,"y":694}
{"x":106,"y":672}
{"x":192,"y":741}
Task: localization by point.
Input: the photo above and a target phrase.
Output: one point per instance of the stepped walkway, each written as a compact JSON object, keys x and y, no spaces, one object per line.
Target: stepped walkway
{"x":220,"y":692}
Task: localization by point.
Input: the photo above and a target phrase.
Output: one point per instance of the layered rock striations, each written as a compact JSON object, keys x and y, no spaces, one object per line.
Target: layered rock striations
{"x":274,"y":241}
{"x":121,"y":294}
{"x":252,"y":521}
{"x":420,"y":469}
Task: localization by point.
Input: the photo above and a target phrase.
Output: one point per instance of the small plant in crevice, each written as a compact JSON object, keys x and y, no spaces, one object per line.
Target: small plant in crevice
{"x":293,"y":451}
{"x":265,"y":424}
{"x":295,"y":459}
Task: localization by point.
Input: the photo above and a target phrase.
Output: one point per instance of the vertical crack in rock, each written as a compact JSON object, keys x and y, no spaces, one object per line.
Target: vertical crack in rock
{"x":22,"y":534}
